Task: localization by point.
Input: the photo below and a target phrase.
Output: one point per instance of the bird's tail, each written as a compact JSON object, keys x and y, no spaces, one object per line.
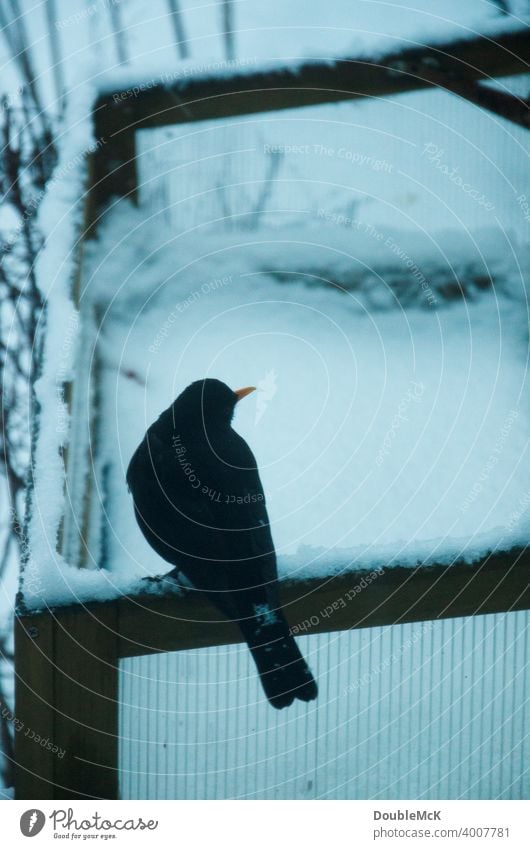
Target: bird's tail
{"x":284,"y":674}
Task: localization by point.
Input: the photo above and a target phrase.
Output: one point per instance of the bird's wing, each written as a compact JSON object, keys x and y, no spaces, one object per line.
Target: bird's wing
{"x":171,"y":513}
{"x":204,"y":510}
{"x":241,"y":511}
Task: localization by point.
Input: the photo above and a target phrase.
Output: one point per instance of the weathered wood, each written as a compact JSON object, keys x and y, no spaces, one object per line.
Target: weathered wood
{"x":118,"y":115}
{"x":86,"y":703}
{"x":34,"y":710}
{"x":67,"y":704}
{"x":498,"y":582}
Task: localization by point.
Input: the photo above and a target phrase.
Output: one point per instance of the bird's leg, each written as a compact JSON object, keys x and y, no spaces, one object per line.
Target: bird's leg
{"x":173,"y":577}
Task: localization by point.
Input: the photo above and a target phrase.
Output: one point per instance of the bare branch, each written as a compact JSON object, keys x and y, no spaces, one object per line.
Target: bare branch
{"x":228,"y":29}
{"x":177,"y":20}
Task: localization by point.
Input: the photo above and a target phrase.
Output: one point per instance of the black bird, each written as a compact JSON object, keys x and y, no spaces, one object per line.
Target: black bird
{"x":199,"y":502}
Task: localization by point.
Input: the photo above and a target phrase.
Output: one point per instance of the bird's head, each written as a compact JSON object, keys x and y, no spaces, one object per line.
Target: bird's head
{"x":208,"y":403}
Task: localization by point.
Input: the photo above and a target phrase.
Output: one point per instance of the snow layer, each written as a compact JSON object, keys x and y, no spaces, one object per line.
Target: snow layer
{"x":59,"y":223}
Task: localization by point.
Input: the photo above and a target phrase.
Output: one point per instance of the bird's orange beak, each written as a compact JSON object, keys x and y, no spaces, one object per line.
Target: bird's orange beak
{"x":245,"y":391}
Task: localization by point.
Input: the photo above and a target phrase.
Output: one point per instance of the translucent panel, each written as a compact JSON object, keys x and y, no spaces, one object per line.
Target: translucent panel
{"x":426,"y":160}
{"x":433,"y":710}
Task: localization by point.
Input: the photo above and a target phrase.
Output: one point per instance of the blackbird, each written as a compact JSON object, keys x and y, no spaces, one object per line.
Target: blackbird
{"x":199,"y":502}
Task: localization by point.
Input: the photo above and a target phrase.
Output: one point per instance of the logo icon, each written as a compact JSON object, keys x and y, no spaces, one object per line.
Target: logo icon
{"x":32,"y":822}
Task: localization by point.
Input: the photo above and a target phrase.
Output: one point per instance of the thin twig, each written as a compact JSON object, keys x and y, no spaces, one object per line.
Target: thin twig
{"x":177,"y":20}
{"x":228,"y":29}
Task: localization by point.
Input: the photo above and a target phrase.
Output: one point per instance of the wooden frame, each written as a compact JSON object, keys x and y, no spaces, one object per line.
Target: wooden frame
{"x":119,"y":114}
{"x":67,"y":658}
{"x":66,"y":692}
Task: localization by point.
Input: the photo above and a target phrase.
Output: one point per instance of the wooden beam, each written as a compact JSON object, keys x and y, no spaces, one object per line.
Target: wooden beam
{"x":67,"y":704}
{"x":86,"y":703}
{"x":152,"y":104}
{"x":34,"y":710}
{"x":309,"y":84}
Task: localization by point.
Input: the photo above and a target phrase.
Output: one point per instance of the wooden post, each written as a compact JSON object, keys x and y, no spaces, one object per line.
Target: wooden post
{"x":34,"y":709}
{"x":67,"y":697}
{"x":86,"y":703}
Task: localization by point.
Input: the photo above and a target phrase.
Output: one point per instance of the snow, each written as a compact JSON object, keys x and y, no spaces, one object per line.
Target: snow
{"x":70,"y":586}
{"x":59,"y":221}
{"x":275,"y":33}
{"x":371,"y":26}
{"x":141,"y":77}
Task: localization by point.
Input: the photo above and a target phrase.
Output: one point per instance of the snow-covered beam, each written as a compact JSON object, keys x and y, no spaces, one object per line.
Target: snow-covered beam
{"x":135,"y":104}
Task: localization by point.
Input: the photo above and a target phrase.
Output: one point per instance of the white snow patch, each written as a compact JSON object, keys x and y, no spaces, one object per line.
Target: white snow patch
{"x":58,"y":221}
{"x":265,"y":615}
